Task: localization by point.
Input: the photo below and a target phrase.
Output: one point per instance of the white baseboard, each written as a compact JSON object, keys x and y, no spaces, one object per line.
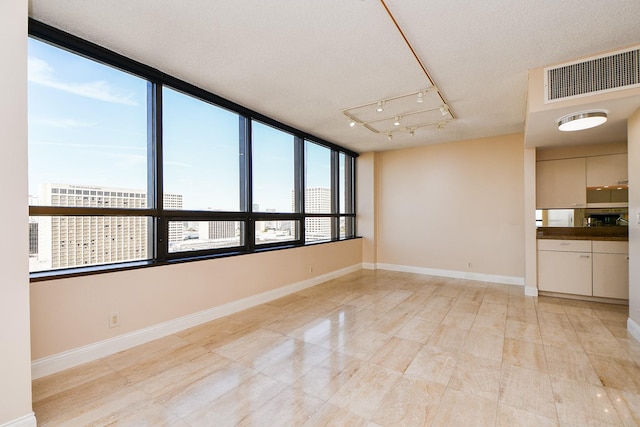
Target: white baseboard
{"x":77,"y":356}
{"x":28,"y":420}
{"x":368,"y":266}
{"x":494,"y":278}
{"x":531,"y":291}
{"x":633,"y":328}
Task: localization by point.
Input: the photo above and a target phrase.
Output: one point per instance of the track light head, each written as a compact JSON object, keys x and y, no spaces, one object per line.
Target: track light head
{"x":444,"y":109}
{"x":441,"y":126}
{"x":396,"y":122}
{"x":420,"y":98}
{"x":389,"y":136}
{"x":352,"y":123}
{"x":412,"y":132}
{"x":380,"y":107}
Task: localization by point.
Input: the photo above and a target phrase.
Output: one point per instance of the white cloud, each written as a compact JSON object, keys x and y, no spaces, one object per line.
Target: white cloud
{"x":72,"y":145}
{"x":179,"y":164}
{"x":40,"y":72}
{"x":64,"y":123}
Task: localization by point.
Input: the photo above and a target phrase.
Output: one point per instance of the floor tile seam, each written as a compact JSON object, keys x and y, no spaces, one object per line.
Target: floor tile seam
{"x":535,"y":414}
{"x":64,"y":373}
{"x":588,"y":359}
{"x":504,"y":368}
{"x":315,"y":365}
{"x":121,"y":389}
{"x":604,"y":393}
{"x":233,"y":390}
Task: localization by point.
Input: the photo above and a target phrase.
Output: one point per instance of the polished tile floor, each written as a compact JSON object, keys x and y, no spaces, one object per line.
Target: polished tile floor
{"x":373,"y":348}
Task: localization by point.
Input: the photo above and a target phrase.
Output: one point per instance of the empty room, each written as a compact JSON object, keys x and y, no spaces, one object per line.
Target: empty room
{"x":340,"y":213}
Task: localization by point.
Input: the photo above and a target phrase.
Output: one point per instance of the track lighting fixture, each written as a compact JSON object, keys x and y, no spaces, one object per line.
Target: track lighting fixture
{"x":441,"y":126}
{"x":389,"y":136}
{"x":402,"y":113}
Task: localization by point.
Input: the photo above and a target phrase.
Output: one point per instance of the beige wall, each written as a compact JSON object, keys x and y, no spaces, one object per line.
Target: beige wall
{"x":554,"y":153}
{"x":633,"y":147}
{"x":442,"y":206}
{"x":366,"y":204}
{"x":15,"y":367}
{"x":74,"y":312}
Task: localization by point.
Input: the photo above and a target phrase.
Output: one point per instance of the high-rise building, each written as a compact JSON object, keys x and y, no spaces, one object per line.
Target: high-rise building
{"x":33,"y":237}
{"x":176,"y":228}
{"x":316,"y":200}
{"x":221,"y":230}
{"x":73,"y":241}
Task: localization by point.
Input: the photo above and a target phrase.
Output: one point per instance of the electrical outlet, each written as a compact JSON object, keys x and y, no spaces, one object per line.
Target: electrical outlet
{"x":310,"y":269}
{"x":114,"y":319}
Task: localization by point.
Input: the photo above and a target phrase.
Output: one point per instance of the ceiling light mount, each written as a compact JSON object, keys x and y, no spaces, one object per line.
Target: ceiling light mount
{"x":582,"y":120}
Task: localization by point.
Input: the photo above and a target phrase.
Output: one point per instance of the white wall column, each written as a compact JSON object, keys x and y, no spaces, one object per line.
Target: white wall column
{"x":633,"y":149}
{"x":15,"y":357}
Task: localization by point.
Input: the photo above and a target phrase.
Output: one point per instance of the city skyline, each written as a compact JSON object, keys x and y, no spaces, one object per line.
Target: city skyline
{"x":73,"y":241}
{"x":93,"y":131}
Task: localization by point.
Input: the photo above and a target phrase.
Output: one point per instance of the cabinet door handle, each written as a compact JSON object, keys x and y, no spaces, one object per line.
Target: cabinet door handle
{"x":584,"y":256}
{"x":565,"y":244}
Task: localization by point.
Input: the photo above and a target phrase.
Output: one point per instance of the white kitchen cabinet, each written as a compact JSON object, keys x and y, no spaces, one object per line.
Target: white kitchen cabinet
{"x":607,"y":170}
{"x":610,"y":270}
{"x":584,"y":267}
{"x":561,"y":183}
{"x":564,"y":272}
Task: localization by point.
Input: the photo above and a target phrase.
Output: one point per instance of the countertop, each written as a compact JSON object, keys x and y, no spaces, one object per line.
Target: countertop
{"x":584,"y":233}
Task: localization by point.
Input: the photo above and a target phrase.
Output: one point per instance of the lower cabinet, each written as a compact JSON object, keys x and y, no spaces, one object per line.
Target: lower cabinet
{"x":566,"y":272}
{"x":580,"y":268}
{"x":610,"y":270}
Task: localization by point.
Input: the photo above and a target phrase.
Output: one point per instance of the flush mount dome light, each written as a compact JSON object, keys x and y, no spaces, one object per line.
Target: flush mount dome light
{"x":581,"y":121}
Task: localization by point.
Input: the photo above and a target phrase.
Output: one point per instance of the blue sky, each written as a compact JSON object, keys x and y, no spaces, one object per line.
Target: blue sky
{"x":88,"y":126}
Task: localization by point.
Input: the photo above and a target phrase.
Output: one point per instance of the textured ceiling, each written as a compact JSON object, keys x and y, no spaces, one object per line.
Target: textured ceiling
{"x":302,"y":62}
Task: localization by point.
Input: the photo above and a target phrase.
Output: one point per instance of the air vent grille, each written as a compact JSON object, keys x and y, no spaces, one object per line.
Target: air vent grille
{"x":600,"y":74}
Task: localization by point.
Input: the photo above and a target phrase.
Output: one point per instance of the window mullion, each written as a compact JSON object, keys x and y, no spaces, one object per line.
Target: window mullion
{"x":335,"y":194}
{"x":299,"y":182}
{"x":157,"y":241}
{"x":248,"y":227}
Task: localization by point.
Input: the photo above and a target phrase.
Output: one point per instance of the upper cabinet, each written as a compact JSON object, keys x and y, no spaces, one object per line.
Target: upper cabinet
{"x":608,"y":170}
{"x":590,"y":181}
{"x":561,"y":183}
{"x":607,"y":181}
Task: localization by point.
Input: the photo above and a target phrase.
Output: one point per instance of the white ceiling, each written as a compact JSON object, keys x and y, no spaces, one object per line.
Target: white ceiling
{"x":302,"y":62}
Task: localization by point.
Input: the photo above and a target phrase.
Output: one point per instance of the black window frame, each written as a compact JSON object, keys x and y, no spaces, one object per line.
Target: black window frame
{"x":159,"y":225}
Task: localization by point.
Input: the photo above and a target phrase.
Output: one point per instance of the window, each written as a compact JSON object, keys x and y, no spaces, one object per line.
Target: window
{"x":203,"y":235}
{"x":201,"y":153}
{"x":319,"y":193}
{"x":87,"y":125}
{"x":131,"y":167}
{"x":273,"y":169}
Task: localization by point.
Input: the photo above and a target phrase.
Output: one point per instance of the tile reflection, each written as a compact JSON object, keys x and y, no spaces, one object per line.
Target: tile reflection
{"x":371,"y":348}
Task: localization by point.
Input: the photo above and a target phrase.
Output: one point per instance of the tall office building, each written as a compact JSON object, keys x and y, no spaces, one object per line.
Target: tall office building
{"x":316,"y":200}
{"x":220,"y":230}
{"x":176,"y":228}
{"x":74,"y":241}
